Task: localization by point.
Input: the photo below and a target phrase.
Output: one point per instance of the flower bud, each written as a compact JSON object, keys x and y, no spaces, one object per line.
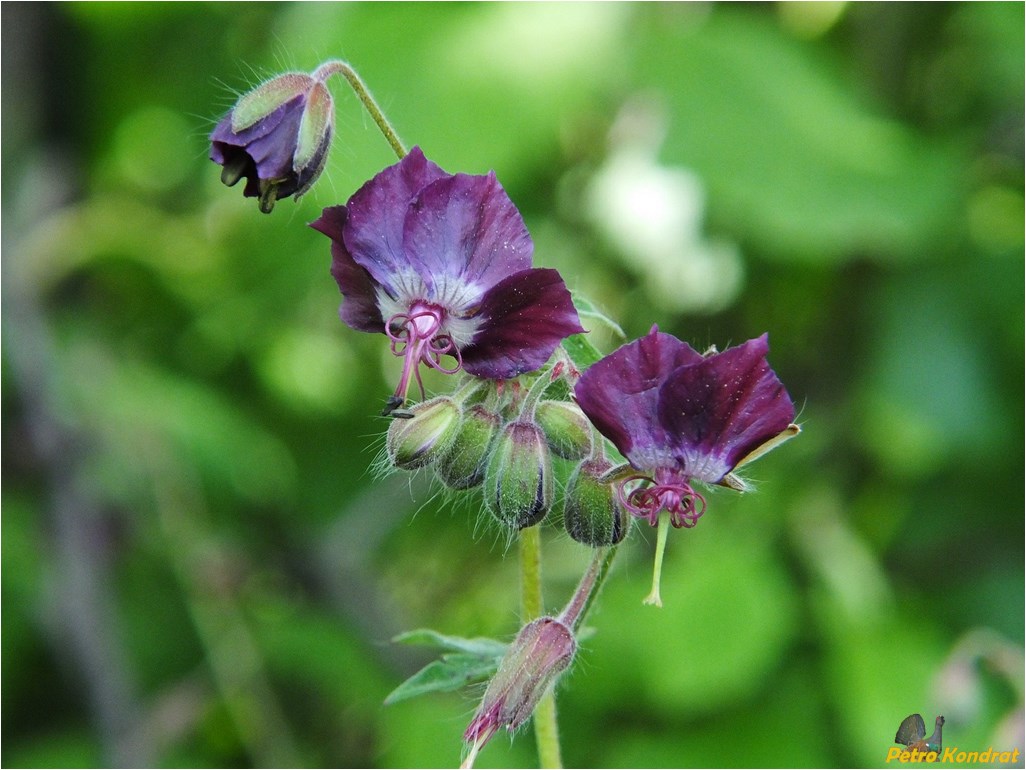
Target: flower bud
{"x":277,"y":136}
{"x":543,"y":649}
{"x":592,"y":513}
{"x":566,"y":428}
{"x":518,"y":481}
{"x":417,"y":441}
{"x":463,"y":464}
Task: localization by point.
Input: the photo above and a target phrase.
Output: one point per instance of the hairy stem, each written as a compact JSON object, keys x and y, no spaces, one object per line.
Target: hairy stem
{"x":546,"y":726}
{"x":576,"y":610}
{"x":337,"y":66}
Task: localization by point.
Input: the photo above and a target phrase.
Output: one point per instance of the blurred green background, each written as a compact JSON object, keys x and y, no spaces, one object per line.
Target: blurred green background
{"x":200,"y":570}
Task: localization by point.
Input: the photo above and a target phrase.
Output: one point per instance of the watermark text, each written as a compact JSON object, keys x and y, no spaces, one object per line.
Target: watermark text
{"x":954,"y":755}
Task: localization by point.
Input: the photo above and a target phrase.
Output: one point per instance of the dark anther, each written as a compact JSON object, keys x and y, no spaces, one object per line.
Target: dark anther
{"x":393,"y":403}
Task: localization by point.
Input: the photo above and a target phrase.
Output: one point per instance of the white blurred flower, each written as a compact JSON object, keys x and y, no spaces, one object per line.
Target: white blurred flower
{"x":652,"y":215}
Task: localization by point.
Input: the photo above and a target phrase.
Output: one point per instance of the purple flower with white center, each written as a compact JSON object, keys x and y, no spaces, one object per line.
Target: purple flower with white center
{"x":277,"y":136}
{"x":680,"y":416}
{"x":441,"y":263}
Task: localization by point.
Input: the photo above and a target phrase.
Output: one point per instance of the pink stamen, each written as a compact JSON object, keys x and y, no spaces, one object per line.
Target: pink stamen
{"x":671,"y":493}
{"x":415,"y":337}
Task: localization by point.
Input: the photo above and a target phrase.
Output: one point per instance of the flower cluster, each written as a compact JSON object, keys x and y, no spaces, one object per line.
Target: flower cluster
{"x":441,"y":265}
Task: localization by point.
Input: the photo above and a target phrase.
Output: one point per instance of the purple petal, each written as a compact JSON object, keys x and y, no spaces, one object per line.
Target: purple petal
{"x":620,"y":394}
{"x":466,"y":227}
{"x":270,"y":143}
{"x":377,"y":211}
{"x":722,"y":407}
{"x":523,"y":318}
{"x":360,"y":309}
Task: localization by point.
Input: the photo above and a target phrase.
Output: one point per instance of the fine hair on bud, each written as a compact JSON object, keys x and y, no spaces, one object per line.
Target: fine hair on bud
{"x":518,"y":480}
{"x":417,"y":441}
{"x":542,"y":651}
{"x":463,"y":464}
{"x":592,"y":513}
{"x":567,"y":429}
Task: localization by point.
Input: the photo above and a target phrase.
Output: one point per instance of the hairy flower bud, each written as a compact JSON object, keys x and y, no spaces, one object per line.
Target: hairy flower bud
{"x":543,"y":649}
{"x":566,"y":428}
{"x":463,"y":464}
{"x":592,"y":513}
{"x":518,"y":481}
{"x":417,"y":441}
{"x":277,"y":136}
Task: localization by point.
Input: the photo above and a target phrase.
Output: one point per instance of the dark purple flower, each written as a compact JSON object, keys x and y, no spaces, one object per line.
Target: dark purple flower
{"x":277,"y":136}
{"x":441,"y":263}
{"x":678,"y":416}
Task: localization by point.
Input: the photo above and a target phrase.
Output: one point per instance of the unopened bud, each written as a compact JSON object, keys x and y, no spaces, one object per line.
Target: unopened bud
{"x":277,"y":136}
{"x":463,"y":464}
{"x":417,"y":441}
{"x":542,"y":651}
{"x":592,"y":513}
{"x":518,"y":481}
{"x":566,"y":428}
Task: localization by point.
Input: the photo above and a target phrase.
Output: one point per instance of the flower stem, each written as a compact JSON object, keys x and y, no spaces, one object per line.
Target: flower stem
{"x":534,"y":394}
{"x":337,"y":66}
{"x":576,"y":610}
{"x":546,"y":726}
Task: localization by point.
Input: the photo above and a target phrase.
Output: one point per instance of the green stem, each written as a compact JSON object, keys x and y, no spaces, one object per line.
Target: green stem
{"x":546,"y":726}
{"x":530,"y":574}
{"x":534,"y":394}
{"x":337,"y":66}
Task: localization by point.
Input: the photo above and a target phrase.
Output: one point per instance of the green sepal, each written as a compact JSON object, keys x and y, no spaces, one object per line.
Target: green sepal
{"x":315,"y":126}
{"x":267,"y":97}
{"x":565,"y":427}
{"x":463,"y":464}
{"x":592,"y":513}
{"x":427,"y":433}
{"x":518,"y":480}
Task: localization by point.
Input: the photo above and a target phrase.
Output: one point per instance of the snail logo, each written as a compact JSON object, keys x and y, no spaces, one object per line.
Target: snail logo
{"x":912,"y":733}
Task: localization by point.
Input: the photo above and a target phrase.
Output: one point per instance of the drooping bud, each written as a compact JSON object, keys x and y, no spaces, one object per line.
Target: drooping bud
{"x":518,"y":481}
{"x":277,"y":136}
{"x":566,"y":428}
{"x":416,"y":441}
{"x":592,"y":513}
{"x":542,"y":651}
{"x":463,"y":464}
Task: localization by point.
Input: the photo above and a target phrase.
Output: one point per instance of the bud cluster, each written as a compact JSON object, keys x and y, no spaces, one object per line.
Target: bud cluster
{"x":512,"y":442}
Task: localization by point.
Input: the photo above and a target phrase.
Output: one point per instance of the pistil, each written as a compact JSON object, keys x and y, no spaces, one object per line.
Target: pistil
{"x":415,"y":336}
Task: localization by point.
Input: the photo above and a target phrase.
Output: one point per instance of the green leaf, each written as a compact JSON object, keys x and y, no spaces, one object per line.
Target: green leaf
{"x":480,"y":646}
{"x":445,"y":675}
{"x":581,"y":351}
